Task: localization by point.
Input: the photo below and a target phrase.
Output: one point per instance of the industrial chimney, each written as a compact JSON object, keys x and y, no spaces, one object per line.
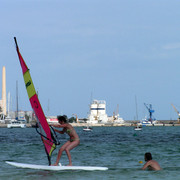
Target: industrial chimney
{"x":4,"y":90}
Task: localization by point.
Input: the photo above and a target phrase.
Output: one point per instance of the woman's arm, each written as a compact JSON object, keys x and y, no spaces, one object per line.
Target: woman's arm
{"x":61,"y":132}
{"x":55,"y":125}
{"x":59,"y":125}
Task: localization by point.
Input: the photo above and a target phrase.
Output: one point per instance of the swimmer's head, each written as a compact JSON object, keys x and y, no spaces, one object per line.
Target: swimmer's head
{"x":148,"y":156}
{"x":140,"y":162}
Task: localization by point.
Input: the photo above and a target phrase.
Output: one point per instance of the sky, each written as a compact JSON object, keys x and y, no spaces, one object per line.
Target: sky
{"x":126,"y":52}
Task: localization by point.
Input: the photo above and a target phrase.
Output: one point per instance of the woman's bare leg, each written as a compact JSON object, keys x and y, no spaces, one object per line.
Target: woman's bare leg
{"x":68,"y":148}
{"x":60,"y":153}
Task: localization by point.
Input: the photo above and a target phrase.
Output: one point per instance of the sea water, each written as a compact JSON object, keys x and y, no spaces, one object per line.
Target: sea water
{"x":118,"y":148}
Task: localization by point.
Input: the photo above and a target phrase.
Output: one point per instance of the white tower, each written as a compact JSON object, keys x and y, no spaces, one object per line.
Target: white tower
{"x":98,"y":112}
{"x":4,"y":90}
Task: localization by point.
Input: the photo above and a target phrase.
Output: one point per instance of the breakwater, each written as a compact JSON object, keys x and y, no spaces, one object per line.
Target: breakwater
{"x":126,"y":124}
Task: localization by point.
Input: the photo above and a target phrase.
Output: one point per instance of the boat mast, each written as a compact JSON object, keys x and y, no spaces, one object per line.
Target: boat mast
{"x":136,"y":108}
{"x":9,"y":96}
{"x":16,"y":100}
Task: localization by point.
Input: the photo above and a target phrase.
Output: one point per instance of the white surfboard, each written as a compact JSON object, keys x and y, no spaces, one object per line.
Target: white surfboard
{"x":56,"y":168}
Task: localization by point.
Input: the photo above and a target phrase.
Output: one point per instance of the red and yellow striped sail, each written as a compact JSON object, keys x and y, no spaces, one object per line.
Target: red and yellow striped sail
{"x":48,"y":141}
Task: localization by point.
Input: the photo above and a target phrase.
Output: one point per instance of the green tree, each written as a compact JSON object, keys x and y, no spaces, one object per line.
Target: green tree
{"x":72,"y":119}
{"x":27,"y":118}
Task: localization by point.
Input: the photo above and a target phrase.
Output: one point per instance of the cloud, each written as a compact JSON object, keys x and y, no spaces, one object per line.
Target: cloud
{"x":172,"y":46}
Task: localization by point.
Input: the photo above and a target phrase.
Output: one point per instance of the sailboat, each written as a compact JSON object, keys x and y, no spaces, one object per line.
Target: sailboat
{"x":8,"y":118}
{"x":47,"y":134}
{"x":15,"y":123}
{"x":87,"y":128}
{"x":138,"y":128}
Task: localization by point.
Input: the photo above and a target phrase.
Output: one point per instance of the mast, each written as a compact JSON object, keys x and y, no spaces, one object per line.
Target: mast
{"x":8,"y":110}
{"x":136,"y":109}
{"x":17,"y":117}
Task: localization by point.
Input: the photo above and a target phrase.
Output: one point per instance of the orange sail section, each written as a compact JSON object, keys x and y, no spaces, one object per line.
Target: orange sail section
{"x":47,"y":138}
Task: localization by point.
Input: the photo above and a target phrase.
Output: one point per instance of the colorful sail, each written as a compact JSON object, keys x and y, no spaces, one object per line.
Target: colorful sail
{"x":46,"y":135}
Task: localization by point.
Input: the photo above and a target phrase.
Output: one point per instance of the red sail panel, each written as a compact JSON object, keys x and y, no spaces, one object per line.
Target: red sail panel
{"x":50,"y":146}
{"x":48,"y":140}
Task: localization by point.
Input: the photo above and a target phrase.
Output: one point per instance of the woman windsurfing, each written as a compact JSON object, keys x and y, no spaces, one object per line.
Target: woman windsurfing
{"x":71,"y":143}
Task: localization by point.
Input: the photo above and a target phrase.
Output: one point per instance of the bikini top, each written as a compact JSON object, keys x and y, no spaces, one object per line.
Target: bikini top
{"x":68,"y":131}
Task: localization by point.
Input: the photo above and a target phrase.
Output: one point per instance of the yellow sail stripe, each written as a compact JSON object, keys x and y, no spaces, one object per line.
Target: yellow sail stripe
{"x":53,"y":146}
{"x":52,"y":149}
{"x":29,"y":84}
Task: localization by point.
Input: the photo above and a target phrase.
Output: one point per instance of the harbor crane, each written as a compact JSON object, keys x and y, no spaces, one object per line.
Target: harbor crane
{"x":77,"y":120}
{"x":150,"y":110}
{"x":177,"y":112}
{"x":116,"y":113}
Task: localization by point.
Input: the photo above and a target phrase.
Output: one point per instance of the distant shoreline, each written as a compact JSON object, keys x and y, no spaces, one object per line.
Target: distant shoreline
{"x":127,"y":124}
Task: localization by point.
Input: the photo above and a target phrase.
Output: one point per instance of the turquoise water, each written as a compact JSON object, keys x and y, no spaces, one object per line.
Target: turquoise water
{"x":118,"y":148}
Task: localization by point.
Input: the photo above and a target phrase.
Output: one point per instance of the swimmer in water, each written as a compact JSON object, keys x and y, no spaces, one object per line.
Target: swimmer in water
{"x":150,"y":164}
{"x":71,"y":143}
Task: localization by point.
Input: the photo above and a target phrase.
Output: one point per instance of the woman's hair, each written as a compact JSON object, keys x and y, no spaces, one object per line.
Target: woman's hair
{"x":62,"y":118}
{"x":148,"y":156}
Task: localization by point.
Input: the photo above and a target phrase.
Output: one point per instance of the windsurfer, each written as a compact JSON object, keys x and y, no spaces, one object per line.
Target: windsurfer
{"x":71,"y":143}
{"x":150,"y":164}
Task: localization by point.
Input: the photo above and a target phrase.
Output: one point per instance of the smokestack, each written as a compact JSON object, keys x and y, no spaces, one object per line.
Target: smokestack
{"x":4,"y":90}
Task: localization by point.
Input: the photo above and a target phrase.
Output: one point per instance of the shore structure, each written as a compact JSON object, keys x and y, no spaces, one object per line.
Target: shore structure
{"x":3,"y":100}
{"x":97,"y":114}
{"x":151,"y":120}
{"x":128,"y":123}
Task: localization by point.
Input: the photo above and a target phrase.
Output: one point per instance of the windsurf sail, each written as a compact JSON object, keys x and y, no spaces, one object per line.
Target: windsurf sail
{"x":45,"y":131}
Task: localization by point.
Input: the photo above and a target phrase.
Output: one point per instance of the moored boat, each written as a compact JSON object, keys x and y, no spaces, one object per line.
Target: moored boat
{"x":87,"y":129}
{"x":16,"y":124}
{"x":138,"y":128}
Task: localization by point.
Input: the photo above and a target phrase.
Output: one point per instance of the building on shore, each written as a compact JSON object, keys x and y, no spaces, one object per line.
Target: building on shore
{"x":97,"y":112}
{"x":116,"y":119}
